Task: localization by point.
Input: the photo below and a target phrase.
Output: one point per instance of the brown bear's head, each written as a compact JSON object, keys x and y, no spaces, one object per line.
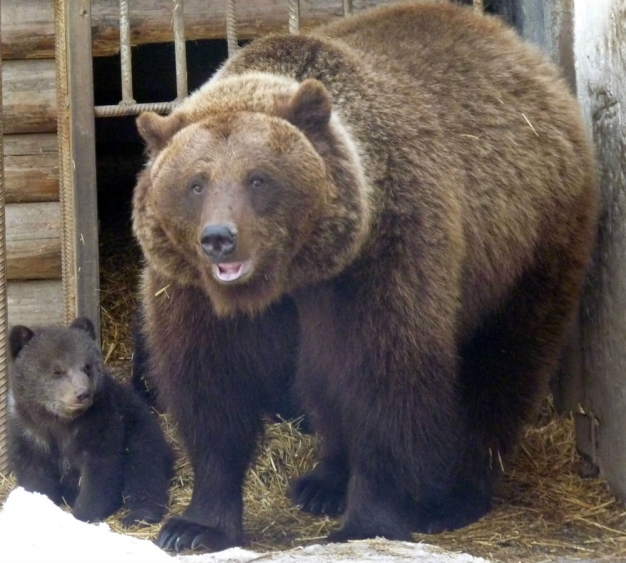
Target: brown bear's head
{"x":242,"y":194}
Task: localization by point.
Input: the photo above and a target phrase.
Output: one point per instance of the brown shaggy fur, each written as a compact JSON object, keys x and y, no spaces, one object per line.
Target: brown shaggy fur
{"x":418,"y":182}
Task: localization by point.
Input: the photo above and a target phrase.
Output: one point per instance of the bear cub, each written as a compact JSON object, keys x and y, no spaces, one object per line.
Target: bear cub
{"x":78,"y":435}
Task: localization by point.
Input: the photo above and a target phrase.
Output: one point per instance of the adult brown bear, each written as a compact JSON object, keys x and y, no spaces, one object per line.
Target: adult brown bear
{"x":418,"y":182}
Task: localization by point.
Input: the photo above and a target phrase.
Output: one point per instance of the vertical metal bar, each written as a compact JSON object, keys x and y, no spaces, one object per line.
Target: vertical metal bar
{"x":478,"y":5}
{"x":83,"y":155}
{"x":347,"y":8}
{"x":231,"y":27}
{"x":294,"y":17}
{"x":179,"y":49}
{"x":125,"y":55}
{"x":4,"y":382}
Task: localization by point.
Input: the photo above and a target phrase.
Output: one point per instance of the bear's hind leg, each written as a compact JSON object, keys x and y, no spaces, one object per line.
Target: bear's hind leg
{"x":507,"y":365}
{"x":148,"y":468}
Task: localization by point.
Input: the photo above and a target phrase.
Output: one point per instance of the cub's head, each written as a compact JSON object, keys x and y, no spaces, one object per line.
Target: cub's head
{"x":55,"y":369}
{"x":239,"y":197}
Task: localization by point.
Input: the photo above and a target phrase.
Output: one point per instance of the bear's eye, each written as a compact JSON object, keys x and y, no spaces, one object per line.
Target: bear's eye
{"x":87,"y":369}
{"x":257,"y":182}
{"x":197,"y":187}
{"x":57,"y":371}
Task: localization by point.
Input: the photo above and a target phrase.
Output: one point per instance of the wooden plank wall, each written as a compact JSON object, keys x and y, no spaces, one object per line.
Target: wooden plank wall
{"x":31,"y":164}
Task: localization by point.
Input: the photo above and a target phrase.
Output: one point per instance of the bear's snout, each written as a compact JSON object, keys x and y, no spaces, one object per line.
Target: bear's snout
{"x":219,"y":241}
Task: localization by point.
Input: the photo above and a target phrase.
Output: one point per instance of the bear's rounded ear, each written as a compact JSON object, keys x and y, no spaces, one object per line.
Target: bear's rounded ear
{"x":310,"y":107}
{"x":156,"y":130}
{"x":18,"y":338}
{"x":83,"y":323}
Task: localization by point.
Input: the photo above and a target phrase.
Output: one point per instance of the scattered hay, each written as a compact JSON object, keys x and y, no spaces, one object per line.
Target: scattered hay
{"x":543,"y":509}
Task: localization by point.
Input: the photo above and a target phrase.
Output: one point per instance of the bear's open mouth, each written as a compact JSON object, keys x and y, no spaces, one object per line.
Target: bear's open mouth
{"x":231,"y":271}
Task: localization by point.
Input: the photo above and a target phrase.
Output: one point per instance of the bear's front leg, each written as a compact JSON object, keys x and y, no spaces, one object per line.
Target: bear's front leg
{"x":215,"y":377}
{"x":98,"y":452}
{"x":100,"y":487}
{"x":36,"y":469}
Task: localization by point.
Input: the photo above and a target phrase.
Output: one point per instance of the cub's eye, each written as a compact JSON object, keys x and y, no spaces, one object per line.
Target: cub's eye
{"x":197,"y":188}
{"x":257,"y":182}
{"x":57,"y":371}
{"x":88,"y":369}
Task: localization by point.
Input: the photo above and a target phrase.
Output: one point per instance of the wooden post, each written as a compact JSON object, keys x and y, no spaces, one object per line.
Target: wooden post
{"x":599,"y":49}
{"x":78,"y":160}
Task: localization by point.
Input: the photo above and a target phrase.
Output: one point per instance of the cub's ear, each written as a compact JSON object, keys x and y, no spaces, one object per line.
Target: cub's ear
{"x":83,"y":323}
{"x":18,"y":338}
{"x":157,"y":130}
{"x":310,"y":107}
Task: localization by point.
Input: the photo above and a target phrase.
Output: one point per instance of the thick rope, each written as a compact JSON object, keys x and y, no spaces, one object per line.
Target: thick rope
{"x":66,"y":193}
{"x":478,"y":5}
{"x":347,"y":8}
{"x":294,"y":17}
{"x":4,"y":380}
{"x":231,"y":27}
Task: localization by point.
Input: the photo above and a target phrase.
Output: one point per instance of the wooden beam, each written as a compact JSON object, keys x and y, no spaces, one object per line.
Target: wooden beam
{"x":33,"y":241}
{"x":31,"y":168}
{"x":29,"y":96}
{"x":34,"y":303}
{"x":28,"y":26}
{"x":77,"y":126}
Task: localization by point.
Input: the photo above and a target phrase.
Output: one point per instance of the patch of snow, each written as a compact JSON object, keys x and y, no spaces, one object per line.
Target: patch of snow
{"x":33,"y":529}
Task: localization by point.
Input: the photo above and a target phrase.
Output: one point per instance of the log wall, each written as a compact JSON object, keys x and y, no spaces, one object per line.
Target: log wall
{"x":31,"y":164}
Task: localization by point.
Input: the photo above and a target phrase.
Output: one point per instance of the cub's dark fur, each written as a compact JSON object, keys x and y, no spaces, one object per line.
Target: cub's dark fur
{"x":78,"y":435}
{"x":401,"y":205}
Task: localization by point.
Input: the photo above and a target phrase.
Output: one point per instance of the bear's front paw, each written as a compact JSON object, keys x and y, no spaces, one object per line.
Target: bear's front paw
{"x":178,"y":534}
{"x":319,"y":493}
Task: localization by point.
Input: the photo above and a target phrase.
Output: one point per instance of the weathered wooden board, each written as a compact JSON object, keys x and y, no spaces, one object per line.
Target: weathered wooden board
{"x":35,"y":302}
{"x":600,"y":45}
{"x":28,"y":25}
{"x":31,"y":168}
{"x":29,"y":96}
{"x":33,"y":241}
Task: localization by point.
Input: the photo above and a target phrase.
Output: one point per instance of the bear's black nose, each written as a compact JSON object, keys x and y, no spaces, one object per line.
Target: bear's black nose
{"x":218,"y":241}
{"x":82,"y":395}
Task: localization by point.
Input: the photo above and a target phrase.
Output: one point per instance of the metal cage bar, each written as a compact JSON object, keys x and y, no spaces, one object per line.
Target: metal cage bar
{"x":125,"y":55}
{"x":231,"y":27}
{"x":294,"y":17}
{"x":180,"y":50}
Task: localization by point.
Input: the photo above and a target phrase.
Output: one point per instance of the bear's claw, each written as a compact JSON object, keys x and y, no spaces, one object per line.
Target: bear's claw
{"x":178,"y":534}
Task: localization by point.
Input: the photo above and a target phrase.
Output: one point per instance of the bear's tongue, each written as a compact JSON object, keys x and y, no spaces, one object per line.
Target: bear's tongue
{"x":231,"y":271}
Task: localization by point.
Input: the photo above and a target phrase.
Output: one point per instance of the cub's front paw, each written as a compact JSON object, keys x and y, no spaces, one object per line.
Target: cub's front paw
{"x":179,"y":534}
